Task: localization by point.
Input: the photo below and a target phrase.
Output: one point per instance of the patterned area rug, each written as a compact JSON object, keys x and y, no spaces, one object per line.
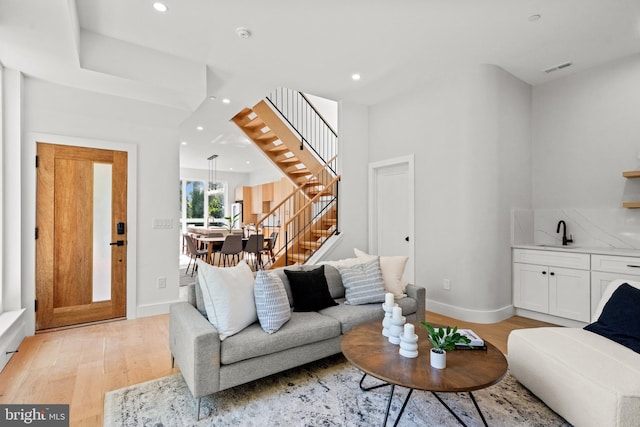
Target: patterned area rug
{"x":323,"y":393}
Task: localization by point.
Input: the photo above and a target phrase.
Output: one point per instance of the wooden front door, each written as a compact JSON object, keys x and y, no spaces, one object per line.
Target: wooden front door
{"x":81,"y":246}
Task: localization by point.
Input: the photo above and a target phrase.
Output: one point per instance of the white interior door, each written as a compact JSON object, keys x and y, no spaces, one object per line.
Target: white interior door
{"x":391,"y":210}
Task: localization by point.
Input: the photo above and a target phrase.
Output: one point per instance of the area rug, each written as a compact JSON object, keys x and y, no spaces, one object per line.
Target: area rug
{"x":323,"y":393}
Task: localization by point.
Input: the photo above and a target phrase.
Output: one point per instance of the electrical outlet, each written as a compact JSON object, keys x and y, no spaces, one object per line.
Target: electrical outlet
{"x":162,"y":282}
{"x":446,"y":284}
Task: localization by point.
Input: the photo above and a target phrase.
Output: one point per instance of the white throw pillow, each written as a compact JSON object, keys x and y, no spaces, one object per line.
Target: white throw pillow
{"x":392,"y":271}
{"x":228,"y":297}
{"x":272,"y":303}
{"x":347,"y":262}
{"x":363,"y":283}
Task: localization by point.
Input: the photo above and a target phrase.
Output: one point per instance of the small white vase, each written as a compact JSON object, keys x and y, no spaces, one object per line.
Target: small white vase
{"x":438,"y":360}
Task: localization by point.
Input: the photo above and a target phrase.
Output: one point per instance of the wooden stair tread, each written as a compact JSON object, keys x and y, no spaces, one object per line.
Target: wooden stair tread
{"x":310,"y":245}
{"x":297,"y":257}
{"x":322,"y":232}
{"x":332,"y":221}
{"x":314,"y":193}
{"x":295,"y":169}
{"x":266,"y":136}
{"x":276,"y":148}
{"x":292,"y":159}
{"x":255,"y":123}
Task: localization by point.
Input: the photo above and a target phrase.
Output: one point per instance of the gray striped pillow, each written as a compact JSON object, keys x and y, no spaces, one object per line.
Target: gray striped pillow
{"x":272,"y":303}
{"x":363,"y":283}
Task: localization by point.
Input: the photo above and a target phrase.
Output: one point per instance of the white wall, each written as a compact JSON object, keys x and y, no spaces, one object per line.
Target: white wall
{"x":153,"y":131}
{"x":586,"y":128}
{"x":470,"y":134}
{"x":586,"y":132}
{"x":352,"y":152}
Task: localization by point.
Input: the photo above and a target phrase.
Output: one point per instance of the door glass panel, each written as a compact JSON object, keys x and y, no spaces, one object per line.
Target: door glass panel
{"x":101,"y":232}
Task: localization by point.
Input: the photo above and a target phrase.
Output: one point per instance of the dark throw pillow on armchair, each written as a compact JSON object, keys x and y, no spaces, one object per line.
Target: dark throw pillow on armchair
{"x":309,"y":289}
{"x":620,"y":318}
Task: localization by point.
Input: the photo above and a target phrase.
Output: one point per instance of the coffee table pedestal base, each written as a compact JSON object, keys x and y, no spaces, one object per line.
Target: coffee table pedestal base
{"x":406,"y":400}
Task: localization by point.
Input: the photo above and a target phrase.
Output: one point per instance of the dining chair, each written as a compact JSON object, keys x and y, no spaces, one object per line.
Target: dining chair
{"x":254,"y":248}
{"x":231,"y":248}
{"x":194,"y":253}
{"x":270,"y":245}
{"x":215,"y":246}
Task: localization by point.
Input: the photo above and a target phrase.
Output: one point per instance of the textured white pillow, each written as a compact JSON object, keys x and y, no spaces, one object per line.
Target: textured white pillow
{"x":363,"y":282}
{"x":392,"y":271}
{"x":272,"y":303}
{"x":347,"y":262}
{"x":228,"y":297}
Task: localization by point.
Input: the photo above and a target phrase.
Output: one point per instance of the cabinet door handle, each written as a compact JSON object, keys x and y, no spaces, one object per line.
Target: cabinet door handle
{"x":552,"y":274}
{"x":633,"y":266}
{"x":544,"y":272}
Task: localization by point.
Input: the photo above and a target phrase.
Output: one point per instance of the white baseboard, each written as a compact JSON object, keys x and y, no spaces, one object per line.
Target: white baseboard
{"x":154,"y":309}
{"x":475,"y":316}
{"x":13,"y":329}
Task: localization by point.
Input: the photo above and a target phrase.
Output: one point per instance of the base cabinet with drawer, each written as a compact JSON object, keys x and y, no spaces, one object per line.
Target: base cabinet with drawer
{"x":555,"y":283}
{"x":605,"y":268}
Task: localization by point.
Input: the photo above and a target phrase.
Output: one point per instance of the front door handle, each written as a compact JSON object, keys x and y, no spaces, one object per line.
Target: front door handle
{"x":117,"y":243}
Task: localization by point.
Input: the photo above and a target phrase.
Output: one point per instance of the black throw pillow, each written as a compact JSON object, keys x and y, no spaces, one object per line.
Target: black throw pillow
{"x":309,"y":289}
{"x":620,"y":318}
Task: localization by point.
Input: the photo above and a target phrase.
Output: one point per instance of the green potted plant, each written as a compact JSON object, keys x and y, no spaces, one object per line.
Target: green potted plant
{"x":231,"y":220}
{"x":443,"y":339}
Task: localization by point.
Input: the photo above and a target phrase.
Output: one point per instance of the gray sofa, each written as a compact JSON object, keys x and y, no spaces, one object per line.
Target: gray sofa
{"x":209,"y":365}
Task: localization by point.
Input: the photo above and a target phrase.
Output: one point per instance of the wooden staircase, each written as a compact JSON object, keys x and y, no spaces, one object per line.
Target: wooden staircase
{"x":301,"y":248}
{"x":308,"y":216}
{"x":282,"y":146}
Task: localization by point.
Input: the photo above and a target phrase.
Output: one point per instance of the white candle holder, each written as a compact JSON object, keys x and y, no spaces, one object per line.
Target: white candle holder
{"x":386,"y":322}
{"x":396,"y":329}
{"x":409,"y":346}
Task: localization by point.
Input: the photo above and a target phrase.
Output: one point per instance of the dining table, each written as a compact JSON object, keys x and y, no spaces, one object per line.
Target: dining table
{"x":217,"y":241}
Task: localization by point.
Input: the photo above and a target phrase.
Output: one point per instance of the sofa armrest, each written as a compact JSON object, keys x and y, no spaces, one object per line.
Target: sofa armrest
{"x":419,"y":294}
{"x":195,"y":345}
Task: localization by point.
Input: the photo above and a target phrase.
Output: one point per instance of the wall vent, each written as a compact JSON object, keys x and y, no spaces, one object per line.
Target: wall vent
{"x":558,"y":67}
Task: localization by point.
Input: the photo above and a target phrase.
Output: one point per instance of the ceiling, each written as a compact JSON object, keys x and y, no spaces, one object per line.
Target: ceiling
{"x":181,"y":58}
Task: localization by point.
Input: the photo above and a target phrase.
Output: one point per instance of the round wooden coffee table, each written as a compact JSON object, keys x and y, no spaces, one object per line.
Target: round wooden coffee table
{"x":467,"y":370}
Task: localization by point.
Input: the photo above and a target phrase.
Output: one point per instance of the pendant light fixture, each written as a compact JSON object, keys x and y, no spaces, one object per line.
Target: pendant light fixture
{"x":213,"y":178}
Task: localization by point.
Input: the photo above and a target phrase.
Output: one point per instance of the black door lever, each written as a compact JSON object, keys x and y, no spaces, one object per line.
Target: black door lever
{"x":117,"y":243}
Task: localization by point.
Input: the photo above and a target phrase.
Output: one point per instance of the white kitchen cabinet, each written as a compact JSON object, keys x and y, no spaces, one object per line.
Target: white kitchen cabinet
{"x":605,"y":268}
{"x":531,"y":287}
{"x":555,"y":283}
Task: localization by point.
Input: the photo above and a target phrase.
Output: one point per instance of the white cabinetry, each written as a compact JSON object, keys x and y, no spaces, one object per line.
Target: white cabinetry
{"x":605,"y":268}
{"x":555,"y":283}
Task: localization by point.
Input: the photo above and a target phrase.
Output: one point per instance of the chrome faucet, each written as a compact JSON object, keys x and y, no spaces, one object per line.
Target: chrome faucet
{"x":565,"y":241}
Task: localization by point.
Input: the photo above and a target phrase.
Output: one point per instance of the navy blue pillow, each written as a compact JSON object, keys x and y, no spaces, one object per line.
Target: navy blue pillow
{"x":620,"y":318}
{"x":309,"y":289}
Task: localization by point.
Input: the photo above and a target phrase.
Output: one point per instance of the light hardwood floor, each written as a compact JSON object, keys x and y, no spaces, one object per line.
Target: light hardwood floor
{"x":78,"y":366}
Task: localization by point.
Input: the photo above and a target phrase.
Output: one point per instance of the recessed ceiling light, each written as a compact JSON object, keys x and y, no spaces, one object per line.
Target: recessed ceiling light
{"x":211,"y":97}
{"x":534,"y":18}
{"x":230,"y":169}
{"x":199,"y":128}
{"x":183,"y":143}
{"x":243,"y":33}
{"x":160,"y":7}
{"x":248,"y":162}
{"x":225,"y":100}
{"x":355,"y":76}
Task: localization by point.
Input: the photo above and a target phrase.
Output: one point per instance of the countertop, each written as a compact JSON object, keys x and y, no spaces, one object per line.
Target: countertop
{"x":583,"y":250}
